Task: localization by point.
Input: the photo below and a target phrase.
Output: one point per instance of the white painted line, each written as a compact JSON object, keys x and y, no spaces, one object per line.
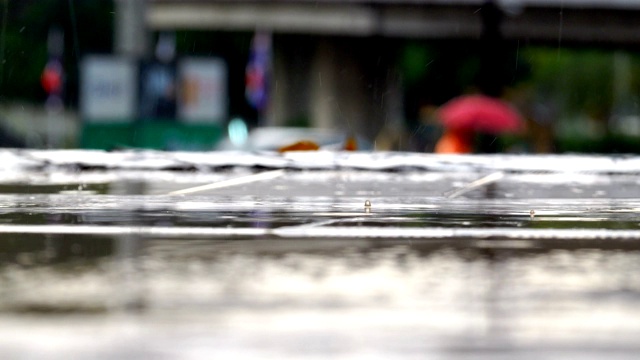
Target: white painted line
{"x":439,"y":233}
{"x":268,"y":175}
{"x":318,"y":231}
{"x":160,"y":231}
{"x":493,"y":177}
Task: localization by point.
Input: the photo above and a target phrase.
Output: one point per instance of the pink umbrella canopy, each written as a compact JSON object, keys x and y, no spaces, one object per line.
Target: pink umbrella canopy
{"x":480,"y":113}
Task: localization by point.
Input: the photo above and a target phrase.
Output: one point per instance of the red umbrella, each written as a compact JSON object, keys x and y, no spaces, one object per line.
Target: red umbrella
{"x":480,"y":113}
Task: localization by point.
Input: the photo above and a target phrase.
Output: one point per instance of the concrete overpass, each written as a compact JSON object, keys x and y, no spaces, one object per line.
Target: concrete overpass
{"x":604,"y":21}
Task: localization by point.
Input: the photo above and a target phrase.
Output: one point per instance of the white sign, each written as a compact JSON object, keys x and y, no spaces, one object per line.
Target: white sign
{"x":108,"y":89}
{"x":203,"y":91}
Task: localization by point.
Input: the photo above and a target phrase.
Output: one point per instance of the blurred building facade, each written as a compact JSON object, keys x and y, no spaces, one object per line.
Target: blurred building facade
{"x":335,"y":62}
{"x":365,"y":66}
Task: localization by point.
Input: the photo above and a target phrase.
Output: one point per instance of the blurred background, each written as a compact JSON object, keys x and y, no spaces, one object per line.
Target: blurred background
{"x":215,"y":74}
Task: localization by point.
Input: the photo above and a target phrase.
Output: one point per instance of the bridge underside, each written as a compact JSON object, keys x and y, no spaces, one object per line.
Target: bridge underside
{"x":439,"y":20}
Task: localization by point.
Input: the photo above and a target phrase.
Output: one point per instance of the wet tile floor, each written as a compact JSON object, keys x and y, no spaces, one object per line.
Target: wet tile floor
{"x":105,"y":264}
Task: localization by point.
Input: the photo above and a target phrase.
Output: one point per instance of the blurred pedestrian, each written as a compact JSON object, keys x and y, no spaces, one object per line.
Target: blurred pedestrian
{"x":475,"y":117}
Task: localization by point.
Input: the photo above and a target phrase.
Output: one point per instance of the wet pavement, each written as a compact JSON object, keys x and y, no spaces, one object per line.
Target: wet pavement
{"x":104,"y":256}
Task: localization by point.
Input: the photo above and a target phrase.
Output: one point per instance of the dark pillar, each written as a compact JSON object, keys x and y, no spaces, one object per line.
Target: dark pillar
{"x":493,"y":51}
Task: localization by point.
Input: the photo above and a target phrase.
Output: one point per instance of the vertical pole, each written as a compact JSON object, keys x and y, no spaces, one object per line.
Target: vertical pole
{"x":491,"y":79}
{"x":323,"y":84}
{"x":131,"y":36}
{"x":3,"y":34}
{"x":53,"y":82}
{"x":131,"y":39}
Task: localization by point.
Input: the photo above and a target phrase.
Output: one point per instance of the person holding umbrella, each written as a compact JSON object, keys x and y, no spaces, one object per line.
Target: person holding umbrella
{"x":464,"y":117}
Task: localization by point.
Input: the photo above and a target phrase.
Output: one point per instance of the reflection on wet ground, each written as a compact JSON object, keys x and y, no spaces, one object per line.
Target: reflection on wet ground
{"x":103,"y":264}
{"x":287,"y":298}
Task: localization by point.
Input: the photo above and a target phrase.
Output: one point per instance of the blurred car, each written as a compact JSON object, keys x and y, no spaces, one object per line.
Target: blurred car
{"x":274,"y":138}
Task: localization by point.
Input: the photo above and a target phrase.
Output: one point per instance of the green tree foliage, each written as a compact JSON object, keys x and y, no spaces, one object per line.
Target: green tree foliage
{"x":580,"y":80}
{"x":87,"y":27}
